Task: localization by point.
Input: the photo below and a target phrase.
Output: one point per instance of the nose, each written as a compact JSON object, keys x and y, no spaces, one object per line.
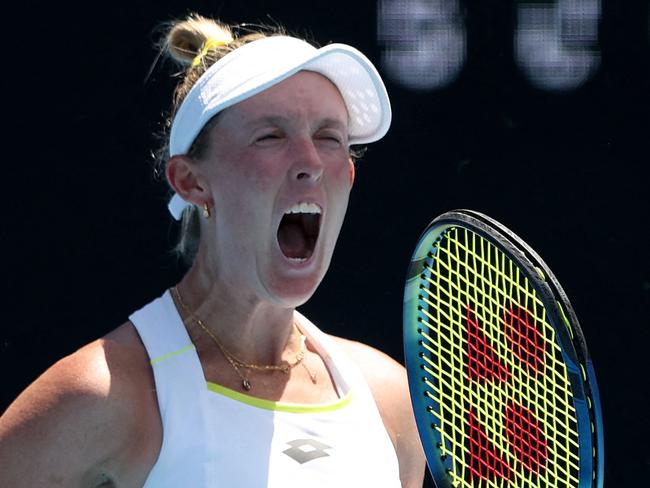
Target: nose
{"x":308,"y":164}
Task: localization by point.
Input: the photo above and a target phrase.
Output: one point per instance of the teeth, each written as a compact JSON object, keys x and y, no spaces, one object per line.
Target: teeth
{"x":298,"y":260}
{"x":307,"y":208}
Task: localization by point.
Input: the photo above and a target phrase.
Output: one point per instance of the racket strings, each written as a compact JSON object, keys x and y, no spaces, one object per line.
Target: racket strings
{"x":503,"y":404}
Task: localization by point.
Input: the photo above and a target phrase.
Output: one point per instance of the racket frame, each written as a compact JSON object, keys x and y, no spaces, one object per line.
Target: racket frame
{"x":561,"y":314}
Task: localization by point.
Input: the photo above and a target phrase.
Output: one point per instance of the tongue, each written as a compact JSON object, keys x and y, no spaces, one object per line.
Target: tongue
{"x":292,"y":238}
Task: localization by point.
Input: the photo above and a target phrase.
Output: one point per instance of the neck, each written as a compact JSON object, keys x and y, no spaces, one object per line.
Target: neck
{"x":250,"y":329}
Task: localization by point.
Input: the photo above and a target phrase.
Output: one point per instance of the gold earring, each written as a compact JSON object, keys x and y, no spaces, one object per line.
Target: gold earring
{"x":206,"y":210}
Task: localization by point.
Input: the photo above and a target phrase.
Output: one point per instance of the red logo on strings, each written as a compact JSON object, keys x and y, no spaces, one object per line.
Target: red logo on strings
{"x":526,"y":437}
{"x":524,"y":339}
{"x":482,"y":361}
{"x":484,"y":460}
{"x":522,"y":429}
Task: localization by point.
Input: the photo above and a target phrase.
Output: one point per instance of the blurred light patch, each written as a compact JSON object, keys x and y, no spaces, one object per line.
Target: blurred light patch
{"x":423,"y":41}
{"x":556,"y":43}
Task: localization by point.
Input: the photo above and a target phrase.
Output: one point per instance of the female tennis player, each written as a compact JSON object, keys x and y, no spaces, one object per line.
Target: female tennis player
{"x":220,"y":382}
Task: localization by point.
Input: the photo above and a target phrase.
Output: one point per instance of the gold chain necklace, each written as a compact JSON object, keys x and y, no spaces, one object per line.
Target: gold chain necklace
{"x":237,"y":363}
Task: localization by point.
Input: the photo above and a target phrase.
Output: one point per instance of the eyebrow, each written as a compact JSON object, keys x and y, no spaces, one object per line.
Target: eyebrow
{"x":280,"y":120}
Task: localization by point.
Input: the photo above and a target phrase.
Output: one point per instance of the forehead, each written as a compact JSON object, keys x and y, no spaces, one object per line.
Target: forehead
{"x":305,"y":94}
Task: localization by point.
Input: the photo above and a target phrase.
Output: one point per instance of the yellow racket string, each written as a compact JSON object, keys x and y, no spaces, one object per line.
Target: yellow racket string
{"x":472,"y":278}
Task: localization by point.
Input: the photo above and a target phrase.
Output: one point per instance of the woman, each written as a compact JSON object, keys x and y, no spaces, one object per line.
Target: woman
{"x":221,"y":382}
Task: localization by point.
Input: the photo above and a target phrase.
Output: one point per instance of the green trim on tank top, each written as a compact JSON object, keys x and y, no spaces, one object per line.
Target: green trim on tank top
{"x":169,"y":355}
{"x":280,"y":406}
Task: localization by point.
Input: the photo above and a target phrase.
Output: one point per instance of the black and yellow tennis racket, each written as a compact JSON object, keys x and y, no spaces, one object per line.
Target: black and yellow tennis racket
{"x":501,"y":382}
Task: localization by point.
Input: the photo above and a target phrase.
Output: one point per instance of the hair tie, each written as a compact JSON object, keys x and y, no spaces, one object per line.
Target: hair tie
{"x":211,"y":43}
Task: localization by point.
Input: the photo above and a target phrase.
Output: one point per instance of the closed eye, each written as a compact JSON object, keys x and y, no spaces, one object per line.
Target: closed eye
{"x":269,"y":137}
{"x":331,"y":137}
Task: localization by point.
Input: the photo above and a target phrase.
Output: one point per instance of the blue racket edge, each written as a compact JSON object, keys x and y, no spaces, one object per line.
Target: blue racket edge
{"x":431,"y":440}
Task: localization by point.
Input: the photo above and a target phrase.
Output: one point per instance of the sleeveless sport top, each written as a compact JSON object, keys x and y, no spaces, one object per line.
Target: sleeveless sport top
{"x":220,"y":438}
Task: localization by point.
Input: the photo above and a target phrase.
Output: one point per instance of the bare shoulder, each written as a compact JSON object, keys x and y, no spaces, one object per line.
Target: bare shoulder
{"x":374,"y":363}
{"x":386,"y":378}
{"x":389,"y":385}
{"x":82,"y":418}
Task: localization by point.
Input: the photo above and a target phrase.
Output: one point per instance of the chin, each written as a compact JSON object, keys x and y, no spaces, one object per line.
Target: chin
{"x":293,"y":291}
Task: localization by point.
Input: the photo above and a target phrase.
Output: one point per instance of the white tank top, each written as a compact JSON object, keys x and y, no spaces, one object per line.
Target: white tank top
{"x":220,"y":438}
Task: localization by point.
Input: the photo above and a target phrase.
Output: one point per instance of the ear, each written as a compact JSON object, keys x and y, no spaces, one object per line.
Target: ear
{"x":353,"y":173}
{"x":184,"y":177}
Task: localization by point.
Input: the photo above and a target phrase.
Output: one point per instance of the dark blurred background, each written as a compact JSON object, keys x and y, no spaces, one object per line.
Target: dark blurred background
{"x":536,"y":113}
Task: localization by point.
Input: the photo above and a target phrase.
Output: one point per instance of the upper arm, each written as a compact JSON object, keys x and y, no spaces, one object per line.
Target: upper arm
{"x":73,"y":426}
{"x":47,"y":434}
{"x":389,"y":385}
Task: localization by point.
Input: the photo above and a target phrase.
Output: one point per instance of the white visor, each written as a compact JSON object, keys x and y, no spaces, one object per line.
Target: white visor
{"x":258,"y":65}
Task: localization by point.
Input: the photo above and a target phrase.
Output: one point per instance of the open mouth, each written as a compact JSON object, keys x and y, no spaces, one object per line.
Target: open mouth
{"x":298,"y":231}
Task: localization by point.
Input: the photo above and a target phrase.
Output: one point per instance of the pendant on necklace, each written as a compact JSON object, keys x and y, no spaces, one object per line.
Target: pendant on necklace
{"x":246,"y":385}
{"x":311,"y":375}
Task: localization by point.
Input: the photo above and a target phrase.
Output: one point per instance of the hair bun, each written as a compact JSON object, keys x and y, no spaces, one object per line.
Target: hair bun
{"x":187,"y":38}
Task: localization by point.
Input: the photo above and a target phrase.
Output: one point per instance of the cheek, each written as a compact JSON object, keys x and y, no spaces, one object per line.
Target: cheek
{"x":342,"y":171}
{"x":259,"y":178}
{"x":247,"y":175}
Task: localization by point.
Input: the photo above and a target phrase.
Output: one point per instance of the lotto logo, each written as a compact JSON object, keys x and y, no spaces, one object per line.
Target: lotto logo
{"x":304,"y":450}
